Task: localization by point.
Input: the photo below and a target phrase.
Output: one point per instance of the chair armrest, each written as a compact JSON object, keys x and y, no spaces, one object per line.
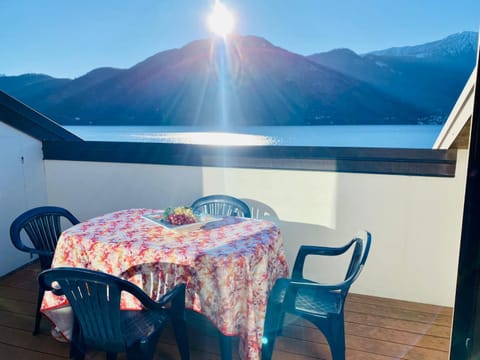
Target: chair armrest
{"x":343,"y":285}
{"x":176,"y":296}
{"x":38,"y":252}
{"x":22,"y":247}
{"x":306,"y":250}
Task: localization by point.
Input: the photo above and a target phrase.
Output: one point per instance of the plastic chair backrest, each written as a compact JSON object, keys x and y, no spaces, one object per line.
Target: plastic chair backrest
{"x":43,"y":226}
{"x":221,"y":205}
{"x":359,"y":256}
{"x":95,"y":300}
{"x":320,"y":303}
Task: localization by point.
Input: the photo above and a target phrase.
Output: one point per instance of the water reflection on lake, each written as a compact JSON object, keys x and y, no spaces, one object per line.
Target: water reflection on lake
{"x":391,"y":136}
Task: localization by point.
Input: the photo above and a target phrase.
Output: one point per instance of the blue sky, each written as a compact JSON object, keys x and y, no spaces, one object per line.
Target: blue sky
{"x":69,"y":38}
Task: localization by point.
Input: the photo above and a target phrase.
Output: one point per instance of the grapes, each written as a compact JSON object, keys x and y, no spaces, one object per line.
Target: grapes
{"x":181,"y":215}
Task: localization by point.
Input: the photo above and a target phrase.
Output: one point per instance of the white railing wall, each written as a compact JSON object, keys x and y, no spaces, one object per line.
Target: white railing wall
{"x":22,"y":186}
{"x":415,"y":221}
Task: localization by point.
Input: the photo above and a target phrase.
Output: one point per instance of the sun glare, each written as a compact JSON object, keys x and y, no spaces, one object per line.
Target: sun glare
{"x":206,"y":138}
{"x":220,"y":21}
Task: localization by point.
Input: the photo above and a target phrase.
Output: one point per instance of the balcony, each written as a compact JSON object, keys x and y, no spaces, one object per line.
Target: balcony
{"x":411,"y":201}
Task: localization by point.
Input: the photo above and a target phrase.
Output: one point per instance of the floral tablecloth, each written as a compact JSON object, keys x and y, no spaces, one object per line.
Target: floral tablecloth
{"x":229,"y":266}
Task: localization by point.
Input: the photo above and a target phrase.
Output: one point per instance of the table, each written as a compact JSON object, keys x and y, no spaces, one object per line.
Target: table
{"x":229,"y":267}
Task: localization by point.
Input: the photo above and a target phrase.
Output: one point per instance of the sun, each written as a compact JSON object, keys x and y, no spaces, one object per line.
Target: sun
{"x":220,"y":21}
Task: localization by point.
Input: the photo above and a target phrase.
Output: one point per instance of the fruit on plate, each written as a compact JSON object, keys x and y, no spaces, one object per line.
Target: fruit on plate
{"x":180,"y":215}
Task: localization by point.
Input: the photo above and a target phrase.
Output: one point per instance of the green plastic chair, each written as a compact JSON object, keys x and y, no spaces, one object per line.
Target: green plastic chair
{"x":43,"y":226}
{"x":100,"y":324}
{"x":321,"y":304}
{"x":220,"y":205}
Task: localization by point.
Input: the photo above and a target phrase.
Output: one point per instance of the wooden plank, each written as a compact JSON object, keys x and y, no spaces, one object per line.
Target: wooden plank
{"x":26,"y":281}
{"x":18,"y":306}
{"x":402,"y":337}
{"x":398,"y":313}
{"x":359,"y":330}
{"x":394,"y":350}
{"x":402,"y":304}
{"x":25,"y":340}
{"x":387,"y":323}
{"x":376,"y":329}
{"x":16,"y":293}
{"x":406,"y":325}
{"x":305,"y":348}
{"x":18,"y":321}
{"x":11,"y":352}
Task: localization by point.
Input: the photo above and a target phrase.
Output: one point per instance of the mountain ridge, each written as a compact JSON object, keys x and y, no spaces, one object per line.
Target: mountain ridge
{"x":260,"y":84}
{"x":430,"y":75}
{"x":452,"y":44}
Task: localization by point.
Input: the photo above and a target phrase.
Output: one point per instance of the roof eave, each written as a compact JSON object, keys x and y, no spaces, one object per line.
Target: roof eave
{"x":25,"y":119}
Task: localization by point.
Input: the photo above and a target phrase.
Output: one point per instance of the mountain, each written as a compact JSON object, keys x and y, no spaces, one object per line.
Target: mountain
{"x":253,"y":82}
{"x":31,"y":86}
{"x":428,"y":76}
{"x":453,"y":47}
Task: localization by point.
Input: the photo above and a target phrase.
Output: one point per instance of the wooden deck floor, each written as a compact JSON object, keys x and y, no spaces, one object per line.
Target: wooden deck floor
{"x":377,"y":329}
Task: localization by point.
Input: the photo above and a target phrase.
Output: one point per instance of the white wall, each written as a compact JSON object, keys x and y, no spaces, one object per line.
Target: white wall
{"x":22,"y":186}
{"x":415,"y":221}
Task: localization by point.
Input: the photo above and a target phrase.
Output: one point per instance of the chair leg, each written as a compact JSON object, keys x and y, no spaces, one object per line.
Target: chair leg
{"x":111,"y":356}
{"x":77,"y":352}
{"x":272,"y":327}
{"x":181,"y":336}
{"x":146,"y":349}
{"x":335,"y":335}
{"x":178,"y":318}
{"x":225,"y":346}
{"x":38,"y":315}
{"x":77,"y":348}
{"x":281,"y":320}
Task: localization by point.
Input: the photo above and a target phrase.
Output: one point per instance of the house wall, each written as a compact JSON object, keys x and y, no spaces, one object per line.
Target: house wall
{"x":415,"y":221}
{"x":22,"y":186}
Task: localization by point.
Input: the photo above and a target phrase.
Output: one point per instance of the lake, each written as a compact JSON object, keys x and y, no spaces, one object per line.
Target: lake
{"x":391,"y":136}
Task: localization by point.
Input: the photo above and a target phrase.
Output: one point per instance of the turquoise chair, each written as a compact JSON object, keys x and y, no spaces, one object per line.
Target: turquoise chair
{"x":221,"y":205}
{"x":321,"y":304}
{"x":43,"y":226}
{"x":100,"y":324}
